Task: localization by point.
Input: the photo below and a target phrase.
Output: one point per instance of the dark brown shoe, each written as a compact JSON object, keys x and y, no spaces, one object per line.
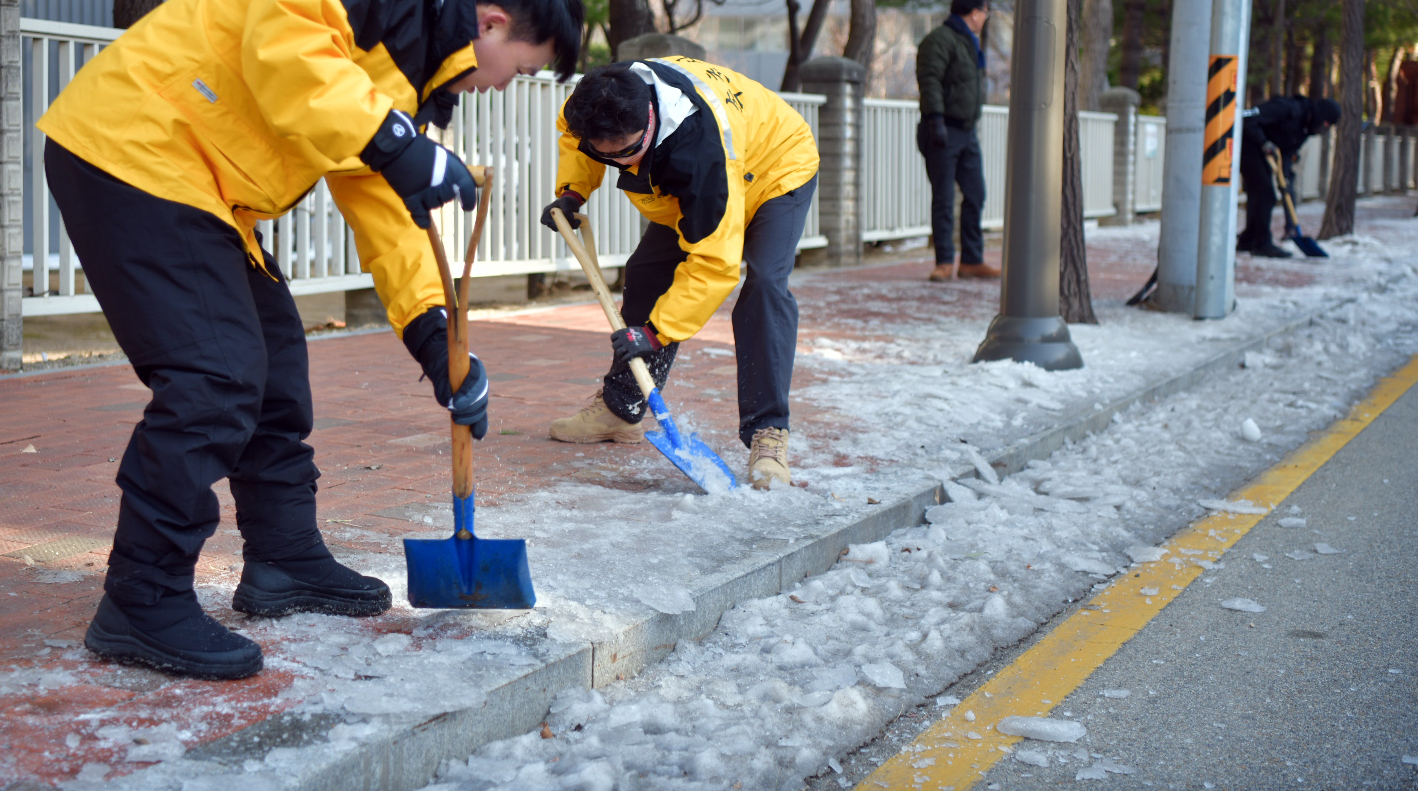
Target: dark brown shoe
{"x":942,"y":273}
{"x":982,"y":271}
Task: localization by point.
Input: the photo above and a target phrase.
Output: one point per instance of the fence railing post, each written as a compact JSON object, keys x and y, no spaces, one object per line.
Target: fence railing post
{"x":839,"y":144}
{"x":1123,"y":103}
{"x":12,"y":177}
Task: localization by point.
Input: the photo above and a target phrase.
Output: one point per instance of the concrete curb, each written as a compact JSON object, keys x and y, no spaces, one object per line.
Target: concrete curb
{"x":409,"y":753}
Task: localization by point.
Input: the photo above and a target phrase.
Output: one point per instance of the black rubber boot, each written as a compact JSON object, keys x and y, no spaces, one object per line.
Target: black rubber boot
{"x":173,"y":636}
{"x":1268,"y":249}
{"x":312,"y":581}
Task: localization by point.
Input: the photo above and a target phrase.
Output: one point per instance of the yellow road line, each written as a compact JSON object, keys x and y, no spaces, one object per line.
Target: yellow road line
{"x":954,"y":753}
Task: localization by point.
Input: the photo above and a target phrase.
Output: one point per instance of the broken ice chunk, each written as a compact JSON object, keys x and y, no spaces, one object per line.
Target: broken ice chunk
{"x":1094,"y":772}
{"x":1326,"y":549}
{"x":1087,"y":565}
{"x":1234,"y":507}
{"x":1146,"y":554}
{"x":1044,"y":729}
{"x":1298,"y":554}
{"x":1148,"y":591}
{"x":970,"y":715}
{"x":1250,"y":431}
{"x":1116,"y":693}
{"x":884,"y":675}
{"x":1032,"y":757}
{"x":392,"y":643}
{"x":668,"y":599}
{"x":1292,"y":521}
{"x":1243,"y":605}
{"x":1259,"y":558}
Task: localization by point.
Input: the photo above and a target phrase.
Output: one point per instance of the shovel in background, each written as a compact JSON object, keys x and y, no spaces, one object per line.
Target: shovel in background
{"x":1308,"y":246}
{"x":690,"y":454}
{"x":465,"y":571}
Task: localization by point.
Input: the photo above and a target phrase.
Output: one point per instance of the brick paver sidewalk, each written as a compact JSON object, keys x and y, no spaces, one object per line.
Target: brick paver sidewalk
{"x":380,"y":444}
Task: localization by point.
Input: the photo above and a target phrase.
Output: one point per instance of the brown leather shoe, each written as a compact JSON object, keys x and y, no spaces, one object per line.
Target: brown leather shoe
{"x":942,"y":273}
{"x":982,"y":271}
{"x":596,"y":423}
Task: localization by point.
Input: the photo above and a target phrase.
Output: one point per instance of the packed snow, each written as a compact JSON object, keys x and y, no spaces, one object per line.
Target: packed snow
{"x":1044,"y":729}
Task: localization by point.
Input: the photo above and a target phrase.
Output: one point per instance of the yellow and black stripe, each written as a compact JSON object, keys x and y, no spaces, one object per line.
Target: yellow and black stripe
{"x":1220,"y":121}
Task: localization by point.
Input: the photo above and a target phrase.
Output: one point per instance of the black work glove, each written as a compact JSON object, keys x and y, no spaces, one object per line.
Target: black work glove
{"x":633,"y":342}
{"x":427,"y":340}
{"x":423,"y":173}
{"x":1270,"y":149}
{"x":569,"y":205}
{"x":940,"y":135}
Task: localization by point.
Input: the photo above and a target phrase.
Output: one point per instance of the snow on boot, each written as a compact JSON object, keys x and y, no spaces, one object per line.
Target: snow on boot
{"x":768,"y":459}
{"x":173,"y":636}
{"x":596,"y":423}
{"x":310,"y":582}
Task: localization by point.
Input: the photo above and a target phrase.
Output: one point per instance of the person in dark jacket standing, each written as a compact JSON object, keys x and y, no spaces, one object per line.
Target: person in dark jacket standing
{"x":1279,"y":128}
{"x":950,"y":70}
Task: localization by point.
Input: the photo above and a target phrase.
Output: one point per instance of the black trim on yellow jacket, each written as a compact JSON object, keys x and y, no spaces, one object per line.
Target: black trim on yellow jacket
{"x":418,"y":38}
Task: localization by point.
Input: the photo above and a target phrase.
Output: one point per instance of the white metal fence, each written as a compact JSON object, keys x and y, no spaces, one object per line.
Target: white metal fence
{"x":896,"y":195}
{"x":1151,"y":152}
{"x":513,"y":131}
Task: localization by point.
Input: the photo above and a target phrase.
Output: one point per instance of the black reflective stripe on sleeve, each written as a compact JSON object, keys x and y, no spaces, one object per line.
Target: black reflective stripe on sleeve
{"x":417,"y":38}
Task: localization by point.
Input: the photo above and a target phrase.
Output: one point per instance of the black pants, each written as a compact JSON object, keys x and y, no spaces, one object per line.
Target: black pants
{"x":765,"y":317}
{"x":223,"y":349}
{"x":959,"y":162}
{"x":1258,"y":180}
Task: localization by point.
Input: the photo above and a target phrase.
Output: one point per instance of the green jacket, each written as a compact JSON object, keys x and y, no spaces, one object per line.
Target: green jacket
{"x":951,"y":82}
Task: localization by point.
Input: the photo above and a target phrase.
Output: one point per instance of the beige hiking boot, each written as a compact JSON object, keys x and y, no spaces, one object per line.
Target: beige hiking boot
{"x":596,"y":423}
{"x":769,"y":457}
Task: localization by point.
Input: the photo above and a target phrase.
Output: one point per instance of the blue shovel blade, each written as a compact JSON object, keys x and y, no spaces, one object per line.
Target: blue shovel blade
{"x":689,"y":454}
{"x":473,"y":573}
{"x":468,"y":573}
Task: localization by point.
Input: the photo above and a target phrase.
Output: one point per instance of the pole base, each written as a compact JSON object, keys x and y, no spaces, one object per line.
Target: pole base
{"x":1043,"y":342}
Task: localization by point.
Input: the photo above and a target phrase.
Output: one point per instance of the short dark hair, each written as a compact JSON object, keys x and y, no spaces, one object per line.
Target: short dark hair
{"x":964,"y":7}
{"x":558,"y":21}
{"x":609,"y":103}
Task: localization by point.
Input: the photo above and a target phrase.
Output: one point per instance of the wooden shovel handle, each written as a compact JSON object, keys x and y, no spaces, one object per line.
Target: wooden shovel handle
{"x":457,"y":301}
{"x":1284,"y":188}
{"x":586,"y":255}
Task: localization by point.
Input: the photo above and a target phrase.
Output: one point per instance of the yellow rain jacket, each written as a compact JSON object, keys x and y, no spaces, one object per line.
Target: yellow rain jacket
{"x":724,"y":146}
{"x":239,"y":107}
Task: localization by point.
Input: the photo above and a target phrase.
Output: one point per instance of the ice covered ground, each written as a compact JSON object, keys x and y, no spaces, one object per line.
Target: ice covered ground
{"x":787,"y":684}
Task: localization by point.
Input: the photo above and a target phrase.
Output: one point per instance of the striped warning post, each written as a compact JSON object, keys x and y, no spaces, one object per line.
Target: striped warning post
{"x":1220,"y":121}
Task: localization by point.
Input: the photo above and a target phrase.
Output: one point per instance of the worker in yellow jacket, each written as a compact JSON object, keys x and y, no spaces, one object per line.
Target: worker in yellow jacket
{"x":206,"y":117}
{"x":725,"y":171}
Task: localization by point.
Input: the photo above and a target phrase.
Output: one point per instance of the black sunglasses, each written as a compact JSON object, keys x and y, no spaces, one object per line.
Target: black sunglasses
{"x":625,"y":153}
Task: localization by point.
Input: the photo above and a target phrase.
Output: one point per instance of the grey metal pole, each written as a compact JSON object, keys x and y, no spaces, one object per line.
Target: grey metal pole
{"x":1029,"y":327}
{"x":1220,"y":166}
{"x":1181,"y":171}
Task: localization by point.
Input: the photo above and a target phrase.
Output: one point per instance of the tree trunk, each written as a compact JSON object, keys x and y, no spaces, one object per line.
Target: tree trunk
{"x":1277,"y":50}
{"x":1373,"y":91}
{"x":800,"y":45}
{"x":1097,"y":34}
{"x":1320,"y":64}
{"x":1075,"y":301}
{"x":628,"y":18}
{"x":861,"y":36}
{"x":127,"y":12}
{"x":1294,"y":57}
{"x":1344,"y":176}
{"x":1130,"y":68}
{"x":1391,"y":84}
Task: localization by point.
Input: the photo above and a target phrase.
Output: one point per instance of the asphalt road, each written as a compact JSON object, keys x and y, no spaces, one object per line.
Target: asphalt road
{"x":1318,"y":691}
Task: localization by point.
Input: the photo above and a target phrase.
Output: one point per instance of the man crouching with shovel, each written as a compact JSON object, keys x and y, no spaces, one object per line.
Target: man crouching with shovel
{"x":163,"y":154}
{"x":725,"y":171}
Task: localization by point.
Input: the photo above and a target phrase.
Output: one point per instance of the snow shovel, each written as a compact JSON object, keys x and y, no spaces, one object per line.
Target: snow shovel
{"x":690,"y":454}
{"x":1308,"y":246}
{"x":465,"y":571}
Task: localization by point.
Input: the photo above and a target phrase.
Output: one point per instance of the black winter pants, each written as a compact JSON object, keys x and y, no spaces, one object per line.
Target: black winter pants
{"x":959,"y":162}
{"x":1258,"y":180}
{"x":765,"y":317}
{"x":223,"y":349}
